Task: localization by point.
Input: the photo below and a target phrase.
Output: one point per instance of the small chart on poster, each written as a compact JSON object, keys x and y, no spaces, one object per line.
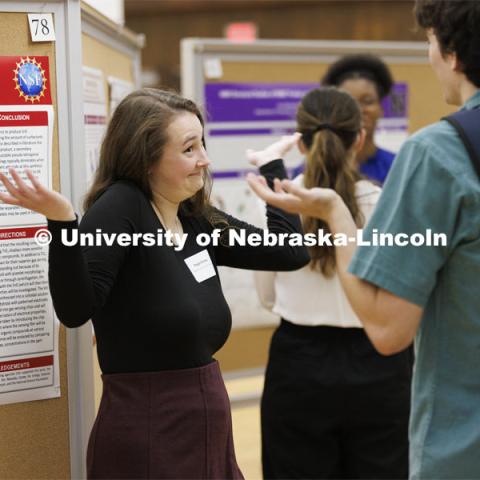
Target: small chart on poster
{"x":28,"y":327}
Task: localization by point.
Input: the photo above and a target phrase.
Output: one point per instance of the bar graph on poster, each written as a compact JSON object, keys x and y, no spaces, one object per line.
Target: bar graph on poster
{"x":28,"y":327}
{"x":254,"y":115}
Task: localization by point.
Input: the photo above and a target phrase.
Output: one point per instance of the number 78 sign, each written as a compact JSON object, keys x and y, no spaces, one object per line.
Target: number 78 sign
{"x":41,"y":27}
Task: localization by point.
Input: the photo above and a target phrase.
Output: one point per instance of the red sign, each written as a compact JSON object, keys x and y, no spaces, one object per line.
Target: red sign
{"x":36,"y":362}
{"x":94,"y":120}
{"x":19,"y":233}
{"x":21,"y":119}
{"x":241,"y":32}
{"x":25,"y":80}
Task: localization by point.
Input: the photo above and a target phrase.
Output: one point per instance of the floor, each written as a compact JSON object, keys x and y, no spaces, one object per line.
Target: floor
{"x":245,"y":399}
{"x":246,"y":435}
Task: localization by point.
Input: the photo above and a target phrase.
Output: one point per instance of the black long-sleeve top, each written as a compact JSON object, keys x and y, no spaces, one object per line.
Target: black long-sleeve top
{"x":148,"y":310}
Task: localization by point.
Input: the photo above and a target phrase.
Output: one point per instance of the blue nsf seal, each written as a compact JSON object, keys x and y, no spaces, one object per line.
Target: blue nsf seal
{"x":30,"y":79}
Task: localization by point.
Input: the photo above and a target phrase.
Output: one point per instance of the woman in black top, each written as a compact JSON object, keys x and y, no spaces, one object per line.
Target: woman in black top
{"x":158,"y":311}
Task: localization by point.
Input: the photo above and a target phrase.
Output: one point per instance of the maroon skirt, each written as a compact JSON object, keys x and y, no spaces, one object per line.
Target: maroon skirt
{"x":170,"y":424}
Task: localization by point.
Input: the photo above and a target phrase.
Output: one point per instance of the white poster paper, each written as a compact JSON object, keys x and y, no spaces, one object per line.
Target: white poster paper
{"x":119,"y":89}
{"x":28,"y":326}
{"x":95,"y":117}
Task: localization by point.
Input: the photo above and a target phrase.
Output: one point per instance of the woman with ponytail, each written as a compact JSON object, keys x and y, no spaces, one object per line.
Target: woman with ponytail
{"x":332,"y":407}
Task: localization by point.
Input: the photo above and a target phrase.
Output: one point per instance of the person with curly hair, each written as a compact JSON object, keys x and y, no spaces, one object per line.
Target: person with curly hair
{"x":422,"y":291}
{"x":368,"y":79}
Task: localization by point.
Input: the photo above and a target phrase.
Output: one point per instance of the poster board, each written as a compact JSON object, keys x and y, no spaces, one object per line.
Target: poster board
{"x":113,"y":55}
{"x":43,"y":439}
{"x":207,"y":63}
{"x":111,"y":61}
{"x":111,"y":49}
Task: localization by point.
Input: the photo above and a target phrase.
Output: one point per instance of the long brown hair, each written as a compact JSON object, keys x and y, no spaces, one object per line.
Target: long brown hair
{"x":135,"y":140}
{"x":329,"y":120}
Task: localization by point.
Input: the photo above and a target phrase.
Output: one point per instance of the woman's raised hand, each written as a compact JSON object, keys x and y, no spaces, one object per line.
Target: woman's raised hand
{"x":278,"y":149}
{"x":313,"y":202}
{"x":36,"y":197}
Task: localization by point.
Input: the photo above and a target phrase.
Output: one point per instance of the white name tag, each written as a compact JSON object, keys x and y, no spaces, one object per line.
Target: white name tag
{"x":201,"y":266}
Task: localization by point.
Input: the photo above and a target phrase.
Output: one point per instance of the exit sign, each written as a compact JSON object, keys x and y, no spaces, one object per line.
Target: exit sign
{"x":241,"y":32}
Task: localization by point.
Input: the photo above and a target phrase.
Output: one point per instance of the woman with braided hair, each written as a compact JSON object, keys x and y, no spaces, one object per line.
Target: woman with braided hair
{"x":332,"y":407}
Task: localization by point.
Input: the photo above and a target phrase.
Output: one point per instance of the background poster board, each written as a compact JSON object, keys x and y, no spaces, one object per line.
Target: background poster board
{"x":94,"y":117}
{"x":111,"y":58}
{"x":111,"y":70}
{"x":35,"y":435}
{"x":48,"y":438}
{"x":207,"y":64}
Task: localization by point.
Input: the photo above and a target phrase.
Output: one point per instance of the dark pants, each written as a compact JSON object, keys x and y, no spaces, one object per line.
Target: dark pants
{"x":333,"y":407}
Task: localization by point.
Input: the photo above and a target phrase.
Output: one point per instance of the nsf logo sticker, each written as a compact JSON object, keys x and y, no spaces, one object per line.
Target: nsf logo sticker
{"x":30,"y":80}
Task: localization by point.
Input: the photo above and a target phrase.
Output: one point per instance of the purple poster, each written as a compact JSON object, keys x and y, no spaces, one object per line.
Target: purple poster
{"x":260,"y":102}
{"x":254,"y":102}
{"x":395,"y":105}
{"x":250,"y":115}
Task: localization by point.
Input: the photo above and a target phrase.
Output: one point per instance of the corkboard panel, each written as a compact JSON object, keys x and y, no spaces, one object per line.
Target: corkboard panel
{"x":111,"y":62}
{"x":34,"y":438}
{"x":425,"y":105}
{"x":425,"y":102}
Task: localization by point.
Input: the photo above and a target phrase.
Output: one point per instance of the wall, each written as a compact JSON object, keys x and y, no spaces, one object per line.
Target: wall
{"x":113,"y":9}
{"x":329,"y":20}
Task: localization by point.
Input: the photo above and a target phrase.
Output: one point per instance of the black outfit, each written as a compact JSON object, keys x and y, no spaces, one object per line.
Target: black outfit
{"x":152,"y":317}
{"x":333,"y":407}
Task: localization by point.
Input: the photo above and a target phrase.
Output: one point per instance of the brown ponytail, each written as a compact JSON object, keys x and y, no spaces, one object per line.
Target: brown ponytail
{"x":329,"y":121}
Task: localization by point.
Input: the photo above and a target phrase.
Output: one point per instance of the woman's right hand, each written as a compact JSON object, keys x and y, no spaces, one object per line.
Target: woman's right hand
{"x":278,"y":149}
{"x":36,"y":197}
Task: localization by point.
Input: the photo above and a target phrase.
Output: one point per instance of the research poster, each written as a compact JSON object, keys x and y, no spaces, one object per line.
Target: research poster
{"x":392,"y":129}
{"x":94,"y":117}
{"x":254,"y":115}
{"x":28,"y":327}
{"x":119,"y":89}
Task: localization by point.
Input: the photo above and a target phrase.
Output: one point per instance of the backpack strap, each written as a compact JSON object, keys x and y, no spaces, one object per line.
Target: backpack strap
{"x":467,"y":125}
